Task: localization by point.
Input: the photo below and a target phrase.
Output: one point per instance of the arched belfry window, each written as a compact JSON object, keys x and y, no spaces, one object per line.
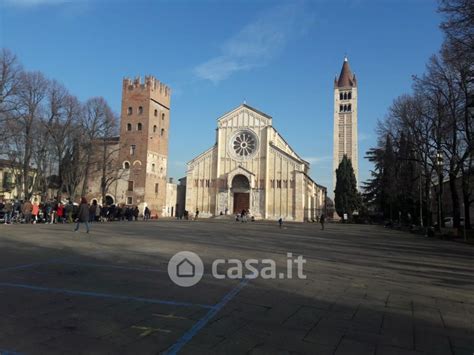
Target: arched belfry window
{"x":345,"y":96}
{"x":139,"y":127}
{"x":341,"y":96}
{"x":349,"y":95}
{"x":140,"y":110}
{"x":349,"y":107}
{"x":129,"y":126}
{"x":345,"y":108}
{"x":129,"y":111}
{"x":341,"y":108}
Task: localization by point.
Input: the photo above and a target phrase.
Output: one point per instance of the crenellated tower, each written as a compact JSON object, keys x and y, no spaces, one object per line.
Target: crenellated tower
{"x":345,"y":119}
{"x":144,"y":131}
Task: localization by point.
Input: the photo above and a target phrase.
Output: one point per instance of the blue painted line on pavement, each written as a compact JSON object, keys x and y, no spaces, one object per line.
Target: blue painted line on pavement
{"x":186,"y":337}
{"x":27,"y":266}
{"x":8,"y":352}
{"x":104,"y":295}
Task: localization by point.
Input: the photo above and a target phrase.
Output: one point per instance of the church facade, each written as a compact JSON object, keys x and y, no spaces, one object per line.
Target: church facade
{"x":251,"y":167}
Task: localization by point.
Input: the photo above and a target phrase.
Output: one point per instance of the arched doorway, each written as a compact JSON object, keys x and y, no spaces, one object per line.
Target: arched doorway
{"x":241,"y":193}
{"x":109,"y":200}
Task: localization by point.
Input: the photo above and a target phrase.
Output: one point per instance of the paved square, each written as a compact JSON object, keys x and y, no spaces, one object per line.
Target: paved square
{"x":368,"y":290}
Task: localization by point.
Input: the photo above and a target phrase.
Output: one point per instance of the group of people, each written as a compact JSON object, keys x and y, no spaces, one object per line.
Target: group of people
{"x":53,"y":211}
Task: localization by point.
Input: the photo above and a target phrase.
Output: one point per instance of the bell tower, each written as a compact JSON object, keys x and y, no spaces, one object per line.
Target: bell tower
{"x":144,"y":129}
{"x":345,"y":120}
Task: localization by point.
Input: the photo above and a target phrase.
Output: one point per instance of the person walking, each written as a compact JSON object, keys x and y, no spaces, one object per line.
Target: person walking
{"x":60,"y":213}
{"x":92,"y":208}
{"x":83,"y":215}
{"x":35,"y":211}
{"x":146,"y":214}
{"x":69,"y":210}
{"x":196,"y":215}
{"x":97,"y":212}
{"x":322,"y":219}
{"x":280,"y":222}
{"x":26,"y":209}
{"x":8,"y":208}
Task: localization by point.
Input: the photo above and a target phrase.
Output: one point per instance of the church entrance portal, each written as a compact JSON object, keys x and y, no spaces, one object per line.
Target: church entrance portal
{"x":241,"y":191}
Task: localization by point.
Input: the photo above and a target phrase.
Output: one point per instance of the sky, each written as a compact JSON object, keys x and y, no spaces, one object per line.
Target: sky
{"x":280,"y":57}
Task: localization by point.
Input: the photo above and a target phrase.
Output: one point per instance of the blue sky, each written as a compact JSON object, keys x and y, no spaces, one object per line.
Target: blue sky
{"x":279,"y":56}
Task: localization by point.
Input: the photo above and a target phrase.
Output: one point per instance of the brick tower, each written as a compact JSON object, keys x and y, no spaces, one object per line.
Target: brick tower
{"x":144,"y":128}
{"x":345,"y":120}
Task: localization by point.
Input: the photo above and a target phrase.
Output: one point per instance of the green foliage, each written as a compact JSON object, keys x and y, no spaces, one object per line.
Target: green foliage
{"x":347,"y":199}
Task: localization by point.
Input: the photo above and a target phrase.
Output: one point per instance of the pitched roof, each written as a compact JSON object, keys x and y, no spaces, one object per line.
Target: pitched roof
{"x":346,"y":78}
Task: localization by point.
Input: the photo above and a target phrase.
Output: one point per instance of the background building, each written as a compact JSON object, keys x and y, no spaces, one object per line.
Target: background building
{"x":345,"y":120}
{"x":139,"y":157}
{"x":252,"y":167}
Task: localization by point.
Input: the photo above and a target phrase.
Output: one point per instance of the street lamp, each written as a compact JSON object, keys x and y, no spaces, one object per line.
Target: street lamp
{"x":439,"y":166}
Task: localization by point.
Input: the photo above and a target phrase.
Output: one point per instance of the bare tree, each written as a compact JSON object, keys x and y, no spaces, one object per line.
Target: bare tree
{"x":22,"y":124}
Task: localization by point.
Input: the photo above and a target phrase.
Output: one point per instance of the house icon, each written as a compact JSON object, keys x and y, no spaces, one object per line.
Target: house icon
{"x":185,"y":268}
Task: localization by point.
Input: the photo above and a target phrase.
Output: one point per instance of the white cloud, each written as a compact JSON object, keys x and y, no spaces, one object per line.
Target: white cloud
{"x":318,"y":160}
{"x":361,"y":136}
{"x":257,"y":43}
{"x":31,"y":3}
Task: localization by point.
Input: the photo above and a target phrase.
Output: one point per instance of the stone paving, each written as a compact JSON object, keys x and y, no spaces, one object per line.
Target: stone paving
{"x":368,"y":290}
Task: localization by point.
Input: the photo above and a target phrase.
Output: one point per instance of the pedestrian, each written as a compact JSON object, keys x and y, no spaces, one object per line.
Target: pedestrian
{"x":26,"y":209}
{"x":97,"y":212}
{"x":60,"y":213}
{"x":83,"y":215}
{"x":136,"y":212}
{"x":35,"y":211}
{"x":69,"y":210}
{"x":280,"y":222}
{"x":196,"y":215}
{"x":8,"y":208}
{"x":322,"y":219}
{"x":92,"y":209}
{"x":146,"y":214}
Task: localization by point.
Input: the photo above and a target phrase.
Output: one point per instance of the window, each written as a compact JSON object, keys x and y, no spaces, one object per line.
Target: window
{"x":162,"y":132}
{"x":349,"y":95}
{"x":140,"y":110}
{"x":341,"y":108}
{"x":126,"y":165}
{"x":139,"y":127}
{"x":154,"y":129}
{"x":129,"y":200}
{"x":129,"y":126}
{"x":129,"y":111}
{"x":345,"y":96}
{"x":156,"y":188}
{"x":279,"y":184}
{"x":341,"y":96}
{"x":130,"y":185}
{"x":349,"y":107}
{"x":132,"y":149}
{"x":153,"y":167}
{"x":162,"y":116}
{"x":156,"y":113}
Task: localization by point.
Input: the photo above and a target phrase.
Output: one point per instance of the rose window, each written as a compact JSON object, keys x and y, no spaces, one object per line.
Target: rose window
{"x":244,"y":144}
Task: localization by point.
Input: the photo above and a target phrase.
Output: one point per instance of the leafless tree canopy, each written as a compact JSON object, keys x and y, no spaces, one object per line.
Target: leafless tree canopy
{"x":50,"y":138}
